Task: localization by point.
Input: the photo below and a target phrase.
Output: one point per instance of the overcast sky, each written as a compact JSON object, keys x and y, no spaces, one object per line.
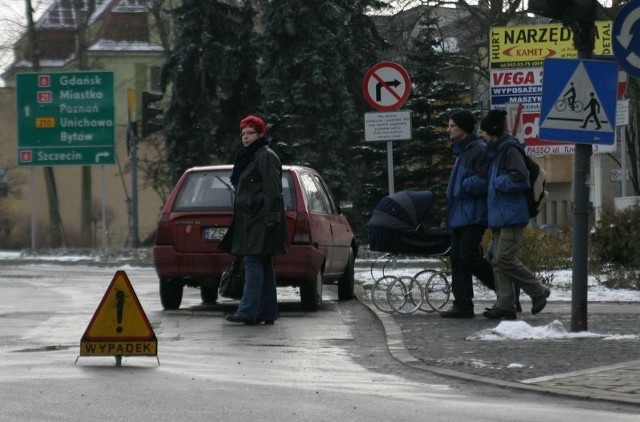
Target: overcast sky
{"x":12,"y":25}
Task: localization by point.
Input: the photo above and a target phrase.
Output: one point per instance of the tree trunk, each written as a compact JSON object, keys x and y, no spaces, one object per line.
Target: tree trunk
{"x":55,"y":222}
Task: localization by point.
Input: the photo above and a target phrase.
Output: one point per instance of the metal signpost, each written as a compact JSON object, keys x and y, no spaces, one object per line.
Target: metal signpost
{"x":386,"y":87}
{"x":65,"y":119}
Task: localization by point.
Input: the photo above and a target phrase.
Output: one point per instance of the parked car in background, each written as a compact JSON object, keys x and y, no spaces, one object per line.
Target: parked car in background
{"x":197,"y":214}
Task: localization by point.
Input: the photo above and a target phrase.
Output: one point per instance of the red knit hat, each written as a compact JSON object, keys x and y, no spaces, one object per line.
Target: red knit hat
{"x":255,"y":122}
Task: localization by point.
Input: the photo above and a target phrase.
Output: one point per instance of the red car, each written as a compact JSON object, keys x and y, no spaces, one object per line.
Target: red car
{"x":322,"y":247}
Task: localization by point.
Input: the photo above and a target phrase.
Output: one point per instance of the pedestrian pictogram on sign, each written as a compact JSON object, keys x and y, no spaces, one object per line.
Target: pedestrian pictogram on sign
{"x":119,"y":326}
{"x":579,"y":101}
{"x":386,"y":86}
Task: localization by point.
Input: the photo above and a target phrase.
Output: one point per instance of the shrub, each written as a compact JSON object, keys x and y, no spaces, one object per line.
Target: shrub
{"x":619,"y":278}
{"x":616,"y":239}
{"x":542,"y":251}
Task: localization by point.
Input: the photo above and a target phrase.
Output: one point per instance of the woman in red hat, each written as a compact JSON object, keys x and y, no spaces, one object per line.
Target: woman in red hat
{"x":259,"y":228}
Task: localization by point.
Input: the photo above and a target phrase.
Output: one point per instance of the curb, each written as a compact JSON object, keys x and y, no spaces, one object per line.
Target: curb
{"x":397,"y":348}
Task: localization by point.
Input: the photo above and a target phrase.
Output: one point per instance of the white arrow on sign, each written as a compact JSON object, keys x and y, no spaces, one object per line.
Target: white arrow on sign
{"x":100,"y":155}
{"x":626,"y":36}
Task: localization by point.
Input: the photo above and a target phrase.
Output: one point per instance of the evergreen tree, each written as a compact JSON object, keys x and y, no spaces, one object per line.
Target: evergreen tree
{"x":314,"y":57}
{"x":425,"y":162}
{"x":212,"y":74}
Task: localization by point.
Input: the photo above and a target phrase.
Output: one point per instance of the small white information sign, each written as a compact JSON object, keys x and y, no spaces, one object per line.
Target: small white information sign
{"x":387,"y":126}
{"x":622,"y":113}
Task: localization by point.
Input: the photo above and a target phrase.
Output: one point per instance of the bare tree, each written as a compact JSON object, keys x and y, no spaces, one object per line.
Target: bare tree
{"x":55,"y":222}
{"x":83,"y":11}
{"x":471,"y":23}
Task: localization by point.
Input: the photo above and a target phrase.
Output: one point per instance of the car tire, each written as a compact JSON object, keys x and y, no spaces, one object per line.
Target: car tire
{"x":311,"y":293}
{"x":208,"y":293}
{"x":346,"y":283}
{"x":171,"y":293}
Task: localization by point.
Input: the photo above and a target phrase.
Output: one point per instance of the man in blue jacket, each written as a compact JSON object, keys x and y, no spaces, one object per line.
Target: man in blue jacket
{"x":467,"y":214}
{"x":508,"y":214}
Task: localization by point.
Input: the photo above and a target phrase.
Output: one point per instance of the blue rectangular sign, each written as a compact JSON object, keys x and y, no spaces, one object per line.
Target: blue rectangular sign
{"x":579,"y":101}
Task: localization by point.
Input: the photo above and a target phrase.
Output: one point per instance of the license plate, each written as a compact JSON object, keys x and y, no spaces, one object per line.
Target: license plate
{"x":214,"y":233}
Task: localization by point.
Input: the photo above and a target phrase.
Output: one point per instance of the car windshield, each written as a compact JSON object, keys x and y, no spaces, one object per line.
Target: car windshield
{"x":212,"y":191}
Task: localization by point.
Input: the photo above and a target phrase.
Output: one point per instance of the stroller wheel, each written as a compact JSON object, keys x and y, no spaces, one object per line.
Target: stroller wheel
{"x":379,"y":295}
{"x":405,"y":295}
{"x":437,"y":291}
{"x":422,"y":277}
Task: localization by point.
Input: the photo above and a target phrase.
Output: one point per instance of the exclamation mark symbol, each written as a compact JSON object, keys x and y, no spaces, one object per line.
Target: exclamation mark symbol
{"x":119,"y":309}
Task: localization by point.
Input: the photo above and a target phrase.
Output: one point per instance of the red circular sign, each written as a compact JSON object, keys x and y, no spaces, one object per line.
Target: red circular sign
{"x":386,"y":86}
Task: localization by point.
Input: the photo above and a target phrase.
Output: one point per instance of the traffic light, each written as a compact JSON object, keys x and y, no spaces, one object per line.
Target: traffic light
{"x":566,"y":10}
{"x":149,"y":113}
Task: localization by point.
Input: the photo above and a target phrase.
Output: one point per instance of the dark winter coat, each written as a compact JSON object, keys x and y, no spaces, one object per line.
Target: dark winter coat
{"x":508,"y":179}
{"x":259,"y":223}
{"x":467,"y":190}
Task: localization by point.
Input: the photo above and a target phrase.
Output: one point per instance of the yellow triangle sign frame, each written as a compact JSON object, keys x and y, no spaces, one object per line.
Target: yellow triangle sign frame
{"x":119,"y":326}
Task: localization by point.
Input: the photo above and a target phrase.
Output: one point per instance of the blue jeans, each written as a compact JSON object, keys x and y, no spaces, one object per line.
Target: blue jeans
{"x":259,"y":299}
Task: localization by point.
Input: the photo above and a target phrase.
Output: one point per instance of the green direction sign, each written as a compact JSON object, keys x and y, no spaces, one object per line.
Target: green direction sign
{"x":65,"y":118}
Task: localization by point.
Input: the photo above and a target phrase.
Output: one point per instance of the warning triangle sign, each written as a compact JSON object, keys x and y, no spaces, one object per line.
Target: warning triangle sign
{"x":119,"y":325}
{"x":578,"y":107}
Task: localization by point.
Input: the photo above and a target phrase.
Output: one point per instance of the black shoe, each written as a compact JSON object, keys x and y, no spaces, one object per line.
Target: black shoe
{"x":518,"y":306}
{"x":455,"y":312}
{"x":265,"y":321}
{"x":538,"y":304}
{"x":238,"y":320}
{"x":497,"y":313}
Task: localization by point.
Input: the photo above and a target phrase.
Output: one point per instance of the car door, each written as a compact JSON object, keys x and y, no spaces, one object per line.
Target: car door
{"x":341,"y":233}
{"x":328,"y":226}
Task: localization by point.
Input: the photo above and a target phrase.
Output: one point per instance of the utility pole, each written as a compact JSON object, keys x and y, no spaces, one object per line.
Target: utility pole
{"x":584,"y":42}
{"x":580,"y":16}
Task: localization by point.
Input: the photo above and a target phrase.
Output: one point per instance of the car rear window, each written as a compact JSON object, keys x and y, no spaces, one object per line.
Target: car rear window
{"x":213,"y":191}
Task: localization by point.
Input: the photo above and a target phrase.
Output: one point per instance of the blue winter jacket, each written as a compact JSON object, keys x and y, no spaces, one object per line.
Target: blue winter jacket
{"x":467,"y":190}
{"x":508,"y":179}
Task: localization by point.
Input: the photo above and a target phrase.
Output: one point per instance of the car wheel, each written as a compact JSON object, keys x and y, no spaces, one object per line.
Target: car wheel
{"x":346,"y":282}
{"x":208,"y":293}
{"x":311,"y":293}
{"x":171,"y":293}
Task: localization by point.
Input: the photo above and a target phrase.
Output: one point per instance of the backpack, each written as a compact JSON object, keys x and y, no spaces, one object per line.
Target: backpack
{"x":536,"y":194}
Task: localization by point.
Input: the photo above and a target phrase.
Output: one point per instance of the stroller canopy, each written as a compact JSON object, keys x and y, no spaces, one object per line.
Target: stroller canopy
{"x":402,"y":211}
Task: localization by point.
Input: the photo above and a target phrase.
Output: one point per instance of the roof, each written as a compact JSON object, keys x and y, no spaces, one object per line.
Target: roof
{"x":116,"y":25}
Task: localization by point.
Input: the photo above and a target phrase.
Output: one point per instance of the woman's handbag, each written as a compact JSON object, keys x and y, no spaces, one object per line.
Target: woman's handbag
{"x":232,"y":281}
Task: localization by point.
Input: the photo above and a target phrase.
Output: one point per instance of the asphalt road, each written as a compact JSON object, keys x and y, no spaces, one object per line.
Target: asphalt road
{"x":323,"y":366}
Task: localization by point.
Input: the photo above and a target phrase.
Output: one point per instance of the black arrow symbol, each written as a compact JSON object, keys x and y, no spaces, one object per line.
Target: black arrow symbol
{"x":119,"y":309}
{"x":395,"y":83}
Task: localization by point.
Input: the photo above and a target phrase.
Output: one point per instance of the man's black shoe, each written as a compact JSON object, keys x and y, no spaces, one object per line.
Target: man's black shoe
{"x":497,"y":313}
{"x":538,"y":304}
{"x":455,"y":312}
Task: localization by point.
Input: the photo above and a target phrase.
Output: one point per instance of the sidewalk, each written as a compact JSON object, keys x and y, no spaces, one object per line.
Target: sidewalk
{"x":602,"y":367}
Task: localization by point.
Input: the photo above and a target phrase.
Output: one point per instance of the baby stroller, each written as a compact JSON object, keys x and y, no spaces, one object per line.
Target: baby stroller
{"x":398,"y":226}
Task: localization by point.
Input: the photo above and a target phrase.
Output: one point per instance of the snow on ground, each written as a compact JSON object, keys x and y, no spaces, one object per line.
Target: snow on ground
{"x":520,"y":330}
{"x":559,"y":282}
